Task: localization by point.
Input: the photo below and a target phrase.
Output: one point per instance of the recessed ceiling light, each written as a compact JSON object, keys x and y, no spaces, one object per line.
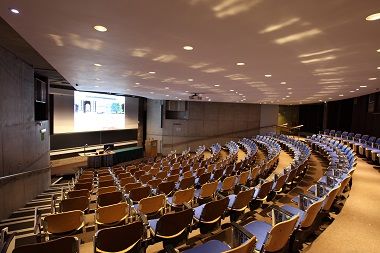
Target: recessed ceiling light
{"x":240,"y":63}
{"x":179,"y":99}
{"x":290,"y":93}
{"x":96,"y":86}
{"x":378,"y":50}
{"x":151,"y":92}
{"x":289,"y":88}
{"x":341,"y":95}
{"x":363,"y":86}
{"x":243,"y":96}
{"x":167,"y":95}
{"x":287,"y":96}
{"x":209,"y":99}
{"x":283,"y":82}
{"x":232,"y":90}
{"x":357,"y":89}
{"x":190,"y":79}
{"x":98,"y":79}
{"x":216,"y":85}
{"x":166,"y":88}
{"x":186,"y":91}
{"x":268,"y":75}
{"x":320,"y":100}
{"x":378,"y":67}
{"x":137,"y":83}
{"x":240,"y":94}
{"x":97,"y":64}
{"x":14,"y":11}
{"x":152,"y":72}
{"x":372,"y":78}
{"x":373,"y":17}
{"x":352,"y":91}
{"x":283,"y":98}
{"x":236,"y":92}
{"x":330,"y":98}
{"x":100,"y":28}
{"x":188,"y":48}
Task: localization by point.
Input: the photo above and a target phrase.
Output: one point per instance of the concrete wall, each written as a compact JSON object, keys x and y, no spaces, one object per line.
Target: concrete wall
{"x":268,"y":118}
{"x":208,"y":123}
{"x":21,"y":147}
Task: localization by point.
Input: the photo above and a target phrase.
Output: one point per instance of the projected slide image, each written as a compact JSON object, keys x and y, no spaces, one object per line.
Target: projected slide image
{"x":94,"y":111}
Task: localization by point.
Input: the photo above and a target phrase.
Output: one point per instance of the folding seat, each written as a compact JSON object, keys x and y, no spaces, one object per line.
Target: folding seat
{"x":291,"y":177}
{"x":366,"y":145}
{"x":238,"y":203}
{"x":144,"y":179}
{"x":63,"y":224}
{"x":125,"y":238}
{"x":139,"y":193}
{"x":153,"y":171}
{"x":220,"y":246}
{"x":187,"y":174}
{"x":227,"y":185}
{"x":357,"y":144}
{"x":185,"y":169}
{"x":112,"y":215}
{"x":124,"y":175}
{"x":228,"y":170}
{"x":330,"y":194}
{"x":166,"y":187}
{"x":161,"y":175}
{"x":210,"y":168}
{"x":338,"y":133}
{"x":202,"y":179}
{"x":138,"y":174}
{"x":102,"y":190}
{"x":71,"y":204}
{"x":185,"y":183}
{"x":146,"y":168}
{"x":308,"y":209}
{"x":151,"y":206}
{"x":62,"y":245}
{"x":109,"y":198}
{"x":206,"y":192}
{"x":278,"y":185}
{"x":176,"y":166}
{"x":260,"y":194}
{"x":172,"y":228}
{"x":180,"y":197}
{"x":199,"y":172}
{"x":78,"y":193}
{"x":217,"y":174}
{"x":173,"y":178}
{"x":126,"y":180}
{"x":275,"y":237}
{"x":166,"y":168}
{"x":83,"y":186}
{"x":326,"y":131}
{"x":128,"y":187}
{"x":154,"y":183}
{"x":332,"y":133}
{"x":85,"y":180}
{"x":209,"y":215}
{"x":117,"y":172}
{"x":373,"y":146}
{"x":133,"y":170}
{"x":243,"y":178}
{"x":156,"y":165}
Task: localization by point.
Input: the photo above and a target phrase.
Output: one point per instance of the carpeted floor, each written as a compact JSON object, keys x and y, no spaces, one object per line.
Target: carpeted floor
{"x":357,"y":227}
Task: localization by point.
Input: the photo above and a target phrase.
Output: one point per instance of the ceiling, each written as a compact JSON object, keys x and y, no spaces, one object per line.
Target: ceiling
{"x":314,"y":50}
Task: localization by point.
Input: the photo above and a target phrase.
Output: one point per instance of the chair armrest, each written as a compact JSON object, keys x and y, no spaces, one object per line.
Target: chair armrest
{"x":308,"y":196}
{"x":242,"y":230}
{"x":187,"y":205}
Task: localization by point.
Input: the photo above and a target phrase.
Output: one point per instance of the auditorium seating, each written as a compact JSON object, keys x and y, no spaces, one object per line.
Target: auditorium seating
{"x":61,"y":245}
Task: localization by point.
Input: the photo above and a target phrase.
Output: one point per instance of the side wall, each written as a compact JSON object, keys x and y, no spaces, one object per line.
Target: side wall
{"x":22,"y":148}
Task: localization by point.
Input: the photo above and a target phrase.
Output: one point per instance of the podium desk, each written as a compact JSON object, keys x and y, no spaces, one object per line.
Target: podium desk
{"x":97,"y":160}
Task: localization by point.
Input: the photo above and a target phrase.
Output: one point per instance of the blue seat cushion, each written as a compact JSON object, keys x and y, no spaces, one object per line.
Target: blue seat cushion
{"x":231,"y":200}
{"x":259,"y":229}
{"x":295,"y":210}
{"x":213,"y":246}
{"x":153,"y":224}
{"x":198,"y":211}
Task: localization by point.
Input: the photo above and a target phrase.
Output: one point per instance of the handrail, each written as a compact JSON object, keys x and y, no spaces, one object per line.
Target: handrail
{"x":214,"y":136}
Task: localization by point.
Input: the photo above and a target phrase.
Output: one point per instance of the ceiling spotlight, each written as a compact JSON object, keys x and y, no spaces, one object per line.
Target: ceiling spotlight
{"x":98,"y":79}
{"x":186,"y":91}
{"x":330,"y":98}
{"x":14,"y":11}
{"x":188,"y":48}
{"x":190,"y":79}
{"x":152,"y":72}
{"x":232,"y":90}
{"x":363,"y":86}
{"x":287,"y":96}
{"x":179,"y":99}
{"x":289,"y":88}
{"x":378,"y":67}
{"x":320,"y":100}
{"x":151,"y":92}
{"x":268,"y":75}
{"x":97,"y":64}
{"x":137,"y":83}
{"x":283,"y":82}
{"x":216,"y":85}
{"x":352,"y":91}
{"x":357,"y":89}
{"x":341,"y":95}
{"x":372,"y":78}
{"x":240,"y":63}
{"x":100,"y":28}
{"x":166,"y":88}
{"x":243,"y":96}
{"x":373,"y":17}
{"x":378,"y":50}
{"x":240,"y":94}
{"x":209,"y":99}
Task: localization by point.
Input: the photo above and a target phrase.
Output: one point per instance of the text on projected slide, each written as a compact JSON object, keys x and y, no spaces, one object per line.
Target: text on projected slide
{"x":94,"y":111}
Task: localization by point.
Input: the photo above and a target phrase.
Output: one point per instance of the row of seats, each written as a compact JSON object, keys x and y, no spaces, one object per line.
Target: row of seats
{"x":364,"y":145}
{"x":141,"y":227}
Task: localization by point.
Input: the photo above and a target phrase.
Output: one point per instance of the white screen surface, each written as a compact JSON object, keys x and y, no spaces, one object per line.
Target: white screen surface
{"x":94,"y":111}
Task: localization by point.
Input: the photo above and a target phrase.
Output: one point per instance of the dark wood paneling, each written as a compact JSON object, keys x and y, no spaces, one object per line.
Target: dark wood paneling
{"x":71,"y":140}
